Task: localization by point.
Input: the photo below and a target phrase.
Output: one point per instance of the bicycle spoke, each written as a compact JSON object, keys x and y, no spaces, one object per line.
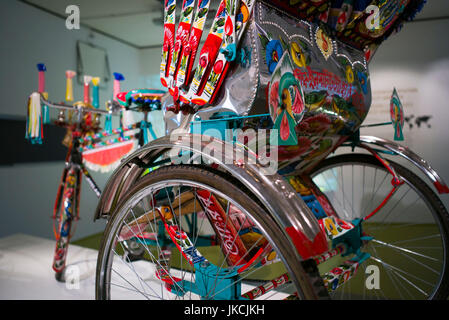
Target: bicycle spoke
{"x":403,"y":249}
{"x":403,"y":230}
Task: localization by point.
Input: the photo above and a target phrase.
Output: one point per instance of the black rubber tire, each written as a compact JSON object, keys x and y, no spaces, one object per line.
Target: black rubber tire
{"x":442,"y":293}
{"x":233,"y":189}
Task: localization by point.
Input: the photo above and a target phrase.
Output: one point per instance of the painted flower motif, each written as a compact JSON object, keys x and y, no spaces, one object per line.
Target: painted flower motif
{"x":349,"y":74}
{"x":218,"y":67}
{"x":229,"y":27}
{"x":203,"y":61}
{"x":298,"y":103}
{"x":274,"y":99}
{"x":298,"y":55}
{"x":315,"y":124}
{"x":274,"y":53}
{"x":363,"y":80}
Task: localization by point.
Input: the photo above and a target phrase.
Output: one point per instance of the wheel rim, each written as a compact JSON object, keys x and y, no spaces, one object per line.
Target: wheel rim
{"x":120,"y":278}
{"x":408,"y":252}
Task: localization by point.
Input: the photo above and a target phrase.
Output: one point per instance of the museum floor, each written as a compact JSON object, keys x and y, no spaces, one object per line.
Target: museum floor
{"x":26,"y":273}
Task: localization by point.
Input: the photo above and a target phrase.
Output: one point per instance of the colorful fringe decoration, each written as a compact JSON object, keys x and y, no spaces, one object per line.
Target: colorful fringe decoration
{"x":96,"y":92}
{"x":105,"y":156}
{"x":101,"y":144}
{"x":108,"y":157}
{"x":45,"y":110}
{"x":34,"y":126}
{"x":41,"y":68}
{"x":106,"y":133}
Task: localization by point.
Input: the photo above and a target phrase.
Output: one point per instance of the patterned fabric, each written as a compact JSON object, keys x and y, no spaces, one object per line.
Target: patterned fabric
{"x":348,"y":20}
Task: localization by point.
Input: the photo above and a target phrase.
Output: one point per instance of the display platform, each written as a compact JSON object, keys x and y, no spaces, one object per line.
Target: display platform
{"x":26,"y":273}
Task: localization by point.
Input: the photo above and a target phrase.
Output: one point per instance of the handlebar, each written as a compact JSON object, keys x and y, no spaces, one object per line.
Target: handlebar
{"x":79,"y":107}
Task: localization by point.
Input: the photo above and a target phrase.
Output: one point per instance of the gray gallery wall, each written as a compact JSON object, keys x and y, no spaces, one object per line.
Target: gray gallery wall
{"x":416,"y":62}
{"x":29,"y":36}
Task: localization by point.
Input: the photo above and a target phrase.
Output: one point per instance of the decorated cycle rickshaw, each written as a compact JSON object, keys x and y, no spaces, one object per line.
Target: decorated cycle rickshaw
{"x":245,"y":198}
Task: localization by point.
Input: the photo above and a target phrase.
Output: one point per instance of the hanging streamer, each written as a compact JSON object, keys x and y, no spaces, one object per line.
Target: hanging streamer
{"x":69,"y":74}
{"x":96,"y":92}
{"x":41,"y":89}
{"x":34,"y":126}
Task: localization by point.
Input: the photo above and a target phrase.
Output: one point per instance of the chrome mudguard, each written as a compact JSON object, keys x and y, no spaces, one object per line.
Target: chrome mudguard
{"x":274,"y":192}
{"x":408,"y":154}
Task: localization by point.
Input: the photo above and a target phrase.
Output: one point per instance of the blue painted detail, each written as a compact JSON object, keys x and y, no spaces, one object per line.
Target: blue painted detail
{"x":273,"y":53}
{"x":192,"y":253}
{"x":177,"y":288}
{"x":64,"y":231}
{"x":118,"y":76}
{"x":353,"y":241}
{"x":213,"y":283}
{"x":361,"y":257}
{"x":334,"y":284}
{"x":41,"y":67}
{"x":244,"y":56}
{"x":315,"y":206}
{"x":230,"y":52}
{"x":148,"y":242}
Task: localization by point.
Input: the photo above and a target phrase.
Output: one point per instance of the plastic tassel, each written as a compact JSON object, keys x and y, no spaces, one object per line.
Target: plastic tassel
{"x":96,"y":92}
{"x":45,"y":111}
{"x":118,"y":77}
{"x":34,"y":127}
{"x":42,"y":69}
{"x":87,"y":80}
{"x":126,"y":116}
{"x":69,"y":74}
{"x":41,"y":89}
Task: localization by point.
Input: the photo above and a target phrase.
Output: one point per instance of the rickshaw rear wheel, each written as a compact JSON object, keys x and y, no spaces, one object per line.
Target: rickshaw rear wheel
{"x":168,"y":185}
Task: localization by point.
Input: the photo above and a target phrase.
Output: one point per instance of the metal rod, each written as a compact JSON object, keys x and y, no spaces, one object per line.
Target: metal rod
{"x":376,"y":124}
{"x":72,"y":107}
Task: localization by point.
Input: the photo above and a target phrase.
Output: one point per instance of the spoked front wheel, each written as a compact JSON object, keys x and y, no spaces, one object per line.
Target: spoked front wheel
{"x":203,"y":237}
{"x":409,"y":234}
